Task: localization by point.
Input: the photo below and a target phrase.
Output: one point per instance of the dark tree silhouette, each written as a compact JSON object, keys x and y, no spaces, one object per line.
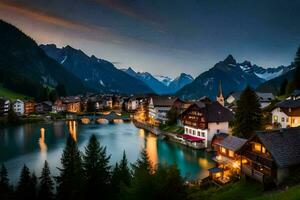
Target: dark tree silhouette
{"x":6,"y":190}
{"x":121,"y":178}
{"x":70,"y":181}
{"x":97,"y":170}
{"x":248,"y":117}
{"x":26,"y":188}
{"x":46,"y":184}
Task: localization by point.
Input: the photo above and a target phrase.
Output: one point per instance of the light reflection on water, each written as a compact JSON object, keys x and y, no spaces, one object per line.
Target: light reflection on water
{"x":32,"y":144}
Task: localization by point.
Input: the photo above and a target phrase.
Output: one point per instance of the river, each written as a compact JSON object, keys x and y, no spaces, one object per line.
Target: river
{"x":27,"y":144}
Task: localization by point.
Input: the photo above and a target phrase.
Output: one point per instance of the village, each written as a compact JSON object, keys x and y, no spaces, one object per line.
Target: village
{"x":269,"y":155}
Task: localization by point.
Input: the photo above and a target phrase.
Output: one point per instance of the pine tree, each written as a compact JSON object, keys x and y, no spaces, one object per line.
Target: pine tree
{"x":283,"y":87}
{"x":121,"y":178}
{"x":172,"y":116}
{"x":297,"y":71}
{"x":248,"y":117}
{"x":5,"y":188}
{"x":168,"y":180}
{"x":70,"y":180}
{"x":25,"y":188}
{"x":46,"y":184}
{"x":125,"y":173}
{"x":143,"y":179}
{"x":33,"y":185}
{"x":97,"y":170}
{"x":4,"y":182}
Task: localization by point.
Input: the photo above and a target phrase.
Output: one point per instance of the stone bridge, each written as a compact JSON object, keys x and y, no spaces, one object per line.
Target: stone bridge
{"x":111,"y":117}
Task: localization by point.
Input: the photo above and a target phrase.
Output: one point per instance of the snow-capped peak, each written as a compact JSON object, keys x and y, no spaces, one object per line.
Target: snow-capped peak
{"x":164,"y":79}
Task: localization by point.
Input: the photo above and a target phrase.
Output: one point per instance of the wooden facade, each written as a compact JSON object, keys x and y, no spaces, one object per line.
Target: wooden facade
{"x":29,"y":107}
{"x":259,"y":163}
{"x":195,"y":117}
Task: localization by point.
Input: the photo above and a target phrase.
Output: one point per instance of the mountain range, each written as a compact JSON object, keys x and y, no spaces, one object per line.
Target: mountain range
{"x":161,"y":84}
{"x":25,"y":68}
{"x":97,"y":74}
{"x":233,"y":76}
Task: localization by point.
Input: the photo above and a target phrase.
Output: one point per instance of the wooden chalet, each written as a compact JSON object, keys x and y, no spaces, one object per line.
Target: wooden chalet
{"x":204,"y":120}
{"x":272,"y":155}
{"x":228,"y":159}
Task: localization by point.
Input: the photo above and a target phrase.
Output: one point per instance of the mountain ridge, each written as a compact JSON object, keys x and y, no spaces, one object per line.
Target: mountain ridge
{"x":161,"y":84}
{"x":98,"y":74}
{"x":25,"y":68}
{"x":233,"y":75}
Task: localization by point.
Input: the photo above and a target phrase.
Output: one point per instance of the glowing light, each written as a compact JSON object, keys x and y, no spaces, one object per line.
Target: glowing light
{"x":42,"y":144}
{"x":151,"y":148}
{"x":73,"y":129}
{"x":85,"y":120}
{"x":102,"y":121}
{"x":203,"y":163}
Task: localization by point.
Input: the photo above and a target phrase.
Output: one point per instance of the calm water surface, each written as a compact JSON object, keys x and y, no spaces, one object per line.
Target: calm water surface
{"x":27,"y":144}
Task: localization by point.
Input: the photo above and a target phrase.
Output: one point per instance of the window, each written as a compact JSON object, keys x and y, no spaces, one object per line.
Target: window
{"x":257,"y":147}
{"x":203,"y":134}
{"x":230,"y":153}
{"x":282,"y":119}
{"x":218,"y":131}
{"x":275,"y":118}
{"x":263,"y":149}
{"x":223,"y":150}
{"x":198,"y":133}
{"x":194,"y":132}
{"x":287,"y":119}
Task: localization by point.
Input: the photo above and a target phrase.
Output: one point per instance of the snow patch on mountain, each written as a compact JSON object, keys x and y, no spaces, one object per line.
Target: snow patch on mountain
{"x":65,"y":58}
{"x":164,"y":79}
{"x":268,"y":76}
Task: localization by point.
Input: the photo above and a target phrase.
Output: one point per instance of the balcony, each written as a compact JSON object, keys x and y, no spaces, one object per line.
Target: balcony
{"x":258,"y":158}
{"x":247,"y":170}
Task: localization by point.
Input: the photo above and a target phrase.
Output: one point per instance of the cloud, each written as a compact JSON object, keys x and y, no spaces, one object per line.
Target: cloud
{"x":49,"y":18}
{"x":128,"y":8}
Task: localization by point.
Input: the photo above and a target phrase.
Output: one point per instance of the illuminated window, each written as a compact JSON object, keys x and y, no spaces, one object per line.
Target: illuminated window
{"x":275,"y":118}
{"x":231,"y":153}
{"x":223,"y":150}
{"x":263,"y":149}
{"x":257,"y":147}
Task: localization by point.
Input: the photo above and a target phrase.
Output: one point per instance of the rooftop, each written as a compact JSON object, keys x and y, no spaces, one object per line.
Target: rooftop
{"x":283,"y":145}
{"x":232,"y":143}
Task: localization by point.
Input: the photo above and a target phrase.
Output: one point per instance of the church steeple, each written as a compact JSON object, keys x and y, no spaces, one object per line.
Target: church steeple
{"x":220,"y":97}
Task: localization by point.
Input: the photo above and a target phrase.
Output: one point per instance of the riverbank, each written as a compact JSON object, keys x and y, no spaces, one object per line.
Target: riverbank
{"x":172,"y":136}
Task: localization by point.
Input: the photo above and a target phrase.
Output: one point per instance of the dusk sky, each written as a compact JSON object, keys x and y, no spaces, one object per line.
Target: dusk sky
{"x":164,"y":37}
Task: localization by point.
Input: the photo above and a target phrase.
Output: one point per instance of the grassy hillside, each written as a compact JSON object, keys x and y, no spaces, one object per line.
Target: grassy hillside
{"x":244,"y":190}
{"x":292,"y":193}
{"x":11,"y":94}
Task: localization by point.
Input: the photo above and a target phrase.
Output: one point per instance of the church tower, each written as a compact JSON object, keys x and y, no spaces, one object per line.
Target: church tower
{"x":220,"y":97}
